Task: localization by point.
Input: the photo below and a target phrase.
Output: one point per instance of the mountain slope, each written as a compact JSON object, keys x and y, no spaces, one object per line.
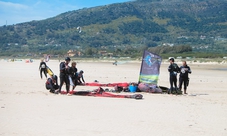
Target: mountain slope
{"x":198,"y":23}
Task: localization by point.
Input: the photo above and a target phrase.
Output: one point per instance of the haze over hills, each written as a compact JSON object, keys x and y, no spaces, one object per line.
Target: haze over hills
{"x":200,"y":24}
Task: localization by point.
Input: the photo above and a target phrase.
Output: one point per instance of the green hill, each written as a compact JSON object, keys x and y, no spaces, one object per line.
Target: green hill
{"x":200,"y":24}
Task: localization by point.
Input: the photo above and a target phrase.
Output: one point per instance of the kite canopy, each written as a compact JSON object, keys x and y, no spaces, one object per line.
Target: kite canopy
{"x":150,"y":66}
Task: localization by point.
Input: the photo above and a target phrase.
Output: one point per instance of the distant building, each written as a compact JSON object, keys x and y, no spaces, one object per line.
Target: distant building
{"x":202,"y":37}
{"x":179,"y":57}
{"x":218,"y":38}
{"x":105,"y":53}
{"x":72,"y":53}
{"x":168,"y":44}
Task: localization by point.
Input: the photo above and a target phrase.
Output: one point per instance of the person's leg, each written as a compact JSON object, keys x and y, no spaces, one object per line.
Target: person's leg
{"x":61,"y":83}
{"x":175,"y":82}
{"x":180,"y":83}
{"x":57,"y":80}
{"x":45,"y":72}
{"x":48,"y":87}
{"x":185,"y":86}
{"x":171,"y":84}
{"x":75,"y":82}
{"x":56,"y":87}
{"x":67,"y":83}
{"x":41,"y":73}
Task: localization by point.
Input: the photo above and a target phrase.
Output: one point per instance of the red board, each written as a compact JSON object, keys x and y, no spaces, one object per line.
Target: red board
{"x":108,"y":84}
{"x":101,"y":93}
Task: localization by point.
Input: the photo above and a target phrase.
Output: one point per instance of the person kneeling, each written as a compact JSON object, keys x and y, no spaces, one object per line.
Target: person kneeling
{"x":52,"y":84}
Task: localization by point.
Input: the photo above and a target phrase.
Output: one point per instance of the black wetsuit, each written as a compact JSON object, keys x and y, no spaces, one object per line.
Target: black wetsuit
{"x":64,"y":76}
{"x":72,"y":74}
{"x":173,"y":70}
{"x":184,"y":70}
{"x":78,"y":78}
{"x":42,"y":68}
{"x":50,"y":85}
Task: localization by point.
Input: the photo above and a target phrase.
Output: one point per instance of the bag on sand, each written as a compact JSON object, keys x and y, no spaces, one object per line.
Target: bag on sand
{"x":149,"y":88}
{"x":118,"y":88}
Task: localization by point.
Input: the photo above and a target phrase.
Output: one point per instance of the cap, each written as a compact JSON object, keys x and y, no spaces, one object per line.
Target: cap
{"x":67,"y":59}
{"x":54,"y":77}
{"x":81,"y":71}
{"x":172,"y":59}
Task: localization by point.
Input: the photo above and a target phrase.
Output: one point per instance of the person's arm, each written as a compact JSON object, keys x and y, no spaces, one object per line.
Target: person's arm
{"x":170,"y":68}
{"x":82,"y":78}
{"x":40,"y":65}
{"x":178,"y":69}
{"x":70,"y":71}
{"x":79,"y":81}
{"x":45,"y":65}
{"x":62,"y":66}
{"x":189,"y":70}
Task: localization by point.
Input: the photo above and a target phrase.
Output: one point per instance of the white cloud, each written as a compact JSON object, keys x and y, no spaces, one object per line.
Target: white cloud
{"x":28,"y":10}
{"x":12,"y":6}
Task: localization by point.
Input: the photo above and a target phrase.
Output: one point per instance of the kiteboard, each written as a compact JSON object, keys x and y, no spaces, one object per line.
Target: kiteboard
{"x":101,"y":93}
{"x":49,"y":71}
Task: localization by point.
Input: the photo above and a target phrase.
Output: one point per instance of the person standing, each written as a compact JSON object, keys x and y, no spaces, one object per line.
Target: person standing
{"x":43,"y":68}
{"x":64,"y":74}
{"x":72,"y":74}
{"x":183,"y":78}
{"x":173,"y":70}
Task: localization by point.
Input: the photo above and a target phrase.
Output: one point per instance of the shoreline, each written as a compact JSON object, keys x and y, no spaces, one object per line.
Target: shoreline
{"x":164,"y":61}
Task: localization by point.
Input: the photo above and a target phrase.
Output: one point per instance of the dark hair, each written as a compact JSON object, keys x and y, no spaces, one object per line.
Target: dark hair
{"x":67,"y":59}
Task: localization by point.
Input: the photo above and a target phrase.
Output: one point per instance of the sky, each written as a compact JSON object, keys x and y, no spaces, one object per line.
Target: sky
{"x":19,"y":11}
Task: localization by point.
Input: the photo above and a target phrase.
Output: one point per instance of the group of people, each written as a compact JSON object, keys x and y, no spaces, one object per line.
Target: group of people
{"x":184,"y":70}
{"x":68,"y":75}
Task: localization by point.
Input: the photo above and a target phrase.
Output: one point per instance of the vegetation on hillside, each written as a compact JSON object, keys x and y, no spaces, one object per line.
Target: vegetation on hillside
{"x":125,"y":29}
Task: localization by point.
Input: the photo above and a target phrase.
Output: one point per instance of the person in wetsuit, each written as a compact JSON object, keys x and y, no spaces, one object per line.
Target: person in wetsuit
{"x":64,"y":74}
{"x":173,"y":70}
{"x":72,"y":74}
{"x":52,"y":84}
{"x":79,"y":77}
{"x":43,"y":68}
{"x":183,"y":78}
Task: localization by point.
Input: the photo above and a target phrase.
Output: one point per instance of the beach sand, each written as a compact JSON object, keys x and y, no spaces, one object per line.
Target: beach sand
{"x":28,"y":109}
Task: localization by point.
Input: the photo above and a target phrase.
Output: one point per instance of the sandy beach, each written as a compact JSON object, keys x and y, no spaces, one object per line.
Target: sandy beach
{"x":28,"y":109}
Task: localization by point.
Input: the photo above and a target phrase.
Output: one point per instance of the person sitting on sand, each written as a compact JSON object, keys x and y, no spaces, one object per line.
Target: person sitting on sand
{"x":79,"y":77}
{"x":52,"y":84}
{"x":183,"y":78}
{"x":115,"y":63}
{"x":173,"y":70}
{"x":72,"y":74}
